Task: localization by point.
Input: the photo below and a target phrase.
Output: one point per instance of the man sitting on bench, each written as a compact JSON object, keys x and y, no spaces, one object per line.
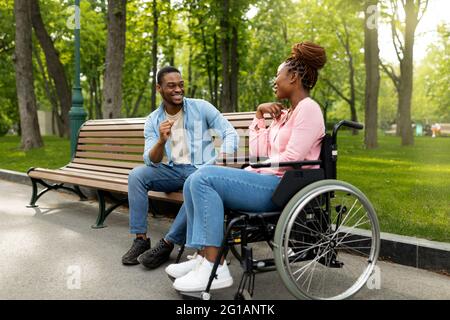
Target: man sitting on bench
{"x":177,"y":142}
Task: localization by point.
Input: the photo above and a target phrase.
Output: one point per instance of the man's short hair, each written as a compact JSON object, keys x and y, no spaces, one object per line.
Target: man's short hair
{"x":162,"y":72}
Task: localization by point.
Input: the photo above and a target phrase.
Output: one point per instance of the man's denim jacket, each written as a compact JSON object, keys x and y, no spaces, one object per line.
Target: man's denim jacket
{"x":200,"y":118}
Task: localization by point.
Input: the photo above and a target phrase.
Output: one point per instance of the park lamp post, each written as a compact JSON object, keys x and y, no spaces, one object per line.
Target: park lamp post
{"x":77,"y":115}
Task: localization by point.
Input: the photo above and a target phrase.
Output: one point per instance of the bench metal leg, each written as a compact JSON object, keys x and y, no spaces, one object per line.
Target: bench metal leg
{"x":33,"y":195}
{"x":36,"y":194}
{"x":79,"y":193}
{"x":104,"y":212}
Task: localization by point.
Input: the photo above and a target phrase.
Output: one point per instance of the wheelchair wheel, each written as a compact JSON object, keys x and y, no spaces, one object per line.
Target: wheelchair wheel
{"x":327,"y":241}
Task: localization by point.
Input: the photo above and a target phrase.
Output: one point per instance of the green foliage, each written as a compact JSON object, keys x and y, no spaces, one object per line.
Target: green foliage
{"x":269,"y":46}
{"x":189,"y":37}
{"x":9,"y":112}
{"x":431,"y":102}
{"x":5,"y":124}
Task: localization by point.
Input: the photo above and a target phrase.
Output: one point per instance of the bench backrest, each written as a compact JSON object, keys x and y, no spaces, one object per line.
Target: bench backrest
{"x":119,"y":143}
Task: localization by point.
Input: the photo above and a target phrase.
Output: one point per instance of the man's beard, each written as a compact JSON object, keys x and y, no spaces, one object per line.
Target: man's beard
{"x":169,"y":98}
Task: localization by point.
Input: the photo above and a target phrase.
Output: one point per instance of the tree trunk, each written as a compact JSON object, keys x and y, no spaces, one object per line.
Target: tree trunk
{"x":154,"y":53}
{"x":351,"y":67}
{"x":354,"y":115}
{"x":31,"y":137}
{"x":371,"y":59}
{"x":406,"y":78}
{"x":208,"y":68}
{"x":98,"y":101}
{"x":189,"y":91}
{"x":216,"y":72}
{"x":225,"y":99}
{"x":51,"y":96}
{"x":171,"y":48}
{"x":91,"y":99}
{"x":115,"y":55}
{"x":137,"y":103}
{"x":54,"y":67}
{"x":234,"y":76}
{"x":351,"y":77}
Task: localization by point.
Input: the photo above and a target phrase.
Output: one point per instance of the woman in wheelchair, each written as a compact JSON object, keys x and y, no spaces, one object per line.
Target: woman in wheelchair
{"x":295,"y":134}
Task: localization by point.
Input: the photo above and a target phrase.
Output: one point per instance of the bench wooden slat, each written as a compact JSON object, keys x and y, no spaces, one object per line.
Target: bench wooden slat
{"x":244,"y":124}
{"x":124,"y":141}
{"x":243,"y":116}
{"x":116,"y":127}
{"x":176,"y":197}
{"x":111,"y":148}
{"x":243,"y":142}
{"x":102,"y":122}
{"x":97,"y":168}
{"x":113,"y":164}
{"x":139,"y":133}
{"x":90,"y":176}
{"x":84,"y":182}
{"x":97,"y":173}
{"x":100,"y":155}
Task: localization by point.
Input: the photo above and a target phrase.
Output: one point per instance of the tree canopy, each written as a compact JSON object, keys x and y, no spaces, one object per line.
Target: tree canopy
{"x":228,"y":52}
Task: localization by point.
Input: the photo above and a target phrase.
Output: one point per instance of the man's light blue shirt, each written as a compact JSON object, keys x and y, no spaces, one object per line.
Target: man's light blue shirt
{"x":200,"y":120}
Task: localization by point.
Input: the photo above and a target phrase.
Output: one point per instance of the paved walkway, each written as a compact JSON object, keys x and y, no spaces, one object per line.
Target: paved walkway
{"x":44,"y":250}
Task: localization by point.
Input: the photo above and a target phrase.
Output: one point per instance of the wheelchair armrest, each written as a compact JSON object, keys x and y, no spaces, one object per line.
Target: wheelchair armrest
{"x":295,"y":164}
{"x":237,"y":159}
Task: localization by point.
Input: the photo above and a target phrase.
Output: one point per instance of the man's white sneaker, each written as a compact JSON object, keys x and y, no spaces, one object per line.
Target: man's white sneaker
{"x":176,"y":270}
{"x":197,"y":279}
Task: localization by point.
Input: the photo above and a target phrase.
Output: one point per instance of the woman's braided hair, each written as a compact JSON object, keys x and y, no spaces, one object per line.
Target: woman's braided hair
{"x":306,"y":59}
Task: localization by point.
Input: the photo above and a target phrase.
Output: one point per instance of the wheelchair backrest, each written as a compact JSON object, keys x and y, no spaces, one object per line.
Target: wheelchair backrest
{"x":326,"y":155}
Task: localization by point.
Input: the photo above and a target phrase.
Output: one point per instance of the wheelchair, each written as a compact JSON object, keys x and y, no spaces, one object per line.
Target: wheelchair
{"x":324,"y":243}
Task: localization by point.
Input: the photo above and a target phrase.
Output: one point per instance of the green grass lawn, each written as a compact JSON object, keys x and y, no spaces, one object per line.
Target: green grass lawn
{"x":408,"y":186}
{"x":54,"y":154}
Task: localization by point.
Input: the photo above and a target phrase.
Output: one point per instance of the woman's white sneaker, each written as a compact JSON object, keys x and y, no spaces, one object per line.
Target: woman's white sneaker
{"x":197,"y":279}
{"x":177,"y":270}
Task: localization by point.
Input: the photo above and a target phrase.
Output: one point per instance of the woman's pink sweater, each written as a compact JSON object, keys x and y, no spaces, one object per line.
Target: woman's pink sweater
{"x":291,"y":137}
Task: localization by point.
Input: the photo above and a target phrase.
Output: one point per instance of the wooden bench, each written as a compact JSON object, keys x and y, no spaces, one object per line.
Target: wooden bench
{"x":106,"y":152}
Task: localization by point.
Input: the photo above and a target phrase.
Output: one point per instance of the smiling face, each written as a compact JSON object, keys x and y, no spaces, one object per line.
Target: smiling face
{"x":172,"y":88}
{"x":284,"y":82}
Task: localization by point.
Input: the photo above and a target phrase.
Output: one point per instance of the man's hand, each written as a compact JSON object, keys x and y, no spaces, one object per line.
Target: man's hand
{"x":272,"y":108}
{"x":164,"y":130}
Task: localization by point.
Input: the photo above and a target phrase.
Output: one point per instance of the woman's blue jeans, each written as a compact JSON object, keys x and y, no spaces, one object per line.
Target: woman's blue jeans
{"x":211,"y":189}
{"x":156,"y":178}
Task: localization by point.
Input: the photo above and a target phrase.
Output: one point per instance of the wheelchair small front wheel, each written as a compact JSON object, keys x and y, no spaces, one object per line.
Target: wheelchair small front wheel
{"x":327,"y":241}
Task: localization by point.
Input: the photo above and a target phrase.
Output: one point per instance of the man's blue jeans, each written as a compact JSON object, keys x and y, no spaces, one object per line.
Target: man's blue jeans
{"x":156,"y":178}
{"x":211,"y":189}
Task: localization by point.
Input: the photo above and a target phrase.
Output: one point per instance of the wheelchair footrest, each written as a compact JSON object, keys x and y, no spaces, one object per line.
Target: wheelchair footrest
{"x":197,"y":295}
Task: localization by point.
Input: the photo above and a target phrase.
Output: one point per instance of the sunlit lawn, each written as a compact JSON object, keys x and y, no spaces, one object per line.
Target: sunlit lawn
{"x":408,"y":186}
{"x":54,"y":154}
